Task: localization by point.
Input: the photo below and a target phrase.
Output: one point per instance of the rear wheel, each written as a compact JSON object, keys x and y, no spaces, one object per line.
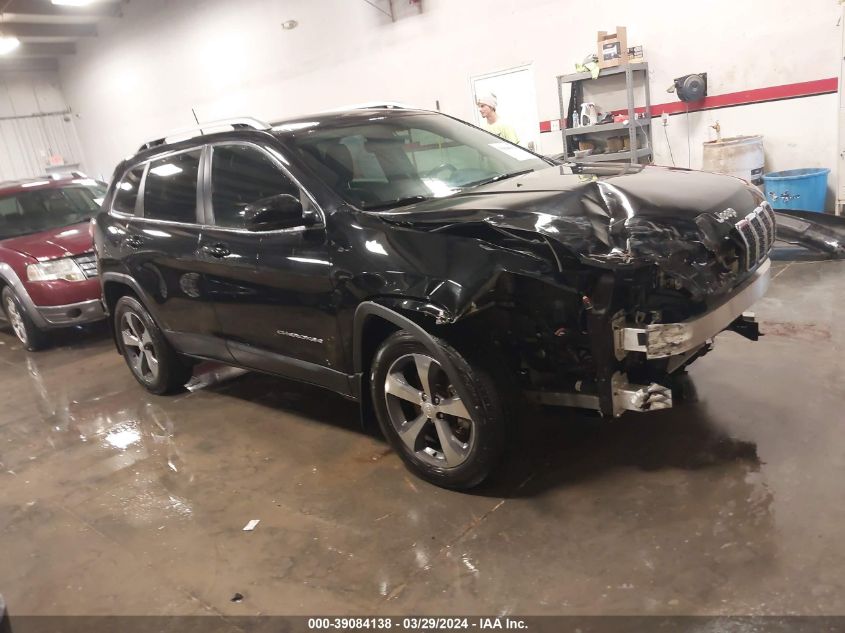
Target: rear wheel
{"x":152,"y":360}
{"x":24,"y":328}
{"x":443,"y":439}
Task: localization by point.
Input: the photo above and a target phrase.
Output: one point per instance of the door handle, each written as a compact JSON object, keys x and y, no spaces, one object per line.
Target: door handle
{"x":218,"y":250}
{"x":133,"y":241}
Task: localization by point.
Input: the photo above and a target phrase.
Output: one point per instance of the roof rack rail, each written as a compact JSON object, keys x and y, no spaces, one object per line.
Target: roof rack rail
{"x":372,"y":104}
{"x":223,"y":125}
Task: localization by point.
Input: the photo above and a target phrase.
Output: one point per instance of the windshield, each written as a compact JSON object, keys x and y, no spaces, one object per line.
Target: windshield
{"x":49,"y":208}
{"x":399,"y":159}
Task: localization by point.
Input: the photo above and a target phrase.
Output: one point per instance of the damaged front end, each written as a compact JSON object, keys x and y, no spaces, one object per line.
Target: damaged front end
{"x":616,"y":357}
{"x":638,"y":279}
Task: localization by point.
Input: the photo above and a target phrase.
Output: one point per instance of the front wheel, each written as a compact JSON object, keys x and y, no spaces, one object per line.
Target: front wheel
{"x":441,"y":438}
{"x":25,"y":329}
{"x":152,"y":360}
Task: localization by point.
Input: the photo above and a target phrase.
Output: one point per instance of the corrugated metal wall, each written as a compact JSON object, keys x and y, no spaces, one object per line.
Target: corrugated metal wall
{"x":27,"y":143}
{"x":35,"y":124}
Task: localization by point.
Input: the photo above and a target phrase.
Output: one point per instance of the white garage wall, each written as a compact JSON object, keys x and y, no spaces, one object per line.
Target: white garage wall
{"x":30,"y":92}
{"x":145,"y":72}
{"x":32,"y":127}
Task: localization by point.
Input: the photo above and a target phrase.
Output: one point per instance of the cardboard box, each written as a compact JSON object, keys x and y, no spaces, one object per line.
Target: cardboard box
{"x":615,"y":144}
{"x":613,"y":48}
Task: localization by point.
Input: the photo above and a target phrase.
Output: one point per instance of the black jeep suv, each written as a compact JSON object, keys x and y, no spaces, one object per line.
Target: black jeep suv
{"x":425,"y":268}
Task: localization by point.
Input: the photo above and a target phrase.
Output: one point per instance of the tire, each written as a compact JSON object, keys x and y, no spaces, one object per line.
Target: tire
{"x":424,"y":425}
{"x":151,"y":359}
{"x":24,"y":328}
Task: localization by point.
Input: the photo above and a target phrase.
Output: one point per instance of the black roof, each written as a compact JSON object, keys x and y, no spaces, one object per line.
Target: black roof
{"x":337,"y":119}
{"x":344,"y":117}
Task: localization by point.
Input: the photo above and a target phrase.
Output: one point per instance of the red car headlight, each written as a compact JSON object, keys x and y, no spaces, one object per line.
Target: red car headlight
{"x":54,"y":270}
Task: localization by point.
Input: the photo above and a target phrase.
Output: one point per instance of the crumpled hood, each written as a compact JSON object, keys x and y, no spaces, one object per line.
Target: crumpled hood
{"x":588,"y":201}
{"x":606,"y":215}
{"x":60,"y":242}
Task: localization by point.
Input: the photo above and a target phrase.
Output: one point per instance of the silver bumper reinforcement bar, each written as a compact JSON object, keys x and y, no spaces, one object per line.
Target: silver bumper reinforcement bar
{"x":668,"y":339}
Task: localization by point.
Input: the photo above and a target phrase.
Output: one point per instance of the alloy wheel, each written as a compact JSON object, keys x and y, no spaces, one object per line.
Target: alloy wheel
{"x":426,"y":412}
{"x":16,"y":319}
{"x":139,"y":347}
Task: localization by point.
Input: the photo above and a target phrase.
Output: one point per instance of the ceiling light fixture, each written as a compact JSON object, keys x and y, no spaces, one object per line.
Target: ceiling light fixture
{"x":290,"y":25}
{"x":71,"y":3}
{"x":8,"y":43}
{"x":168,"y":169}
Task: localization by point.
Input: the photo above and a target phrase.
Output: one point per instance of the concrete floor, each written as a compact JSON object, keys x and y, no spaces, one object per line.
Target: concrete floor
{"x":117,"y":502}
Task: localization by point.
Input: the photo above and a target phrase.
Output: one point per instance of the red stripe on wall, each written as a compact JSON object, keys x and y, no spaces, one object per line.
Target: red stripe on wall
{"x":555,"y":125}
{"x":745,"y":97}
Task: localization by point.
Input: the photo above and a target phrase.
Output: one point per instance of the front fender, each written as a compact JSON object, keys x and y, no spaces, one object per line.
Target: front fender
{"x":11,"y":279}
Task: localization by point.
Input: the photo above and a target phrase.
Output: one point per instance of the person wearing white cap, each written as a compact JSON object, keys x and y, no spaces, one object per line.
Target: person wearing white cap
{"x":487,"y":107}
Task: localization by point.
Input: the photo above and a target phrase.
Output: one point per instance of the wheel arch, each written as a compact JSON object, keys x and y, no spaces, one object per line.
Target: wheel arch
{"x":115,"y":286}
{"x":8,"y":277}
{"x":374,"y":321}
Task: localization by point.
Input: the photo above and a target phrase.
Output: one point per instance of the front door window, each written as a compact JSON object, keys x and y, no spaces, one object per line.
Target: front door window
{"x":240,"y":176}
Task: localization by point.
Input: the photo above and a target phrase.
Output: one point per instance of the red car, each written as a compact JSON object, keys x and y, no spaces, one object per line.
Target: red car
{"x":48,"y":273}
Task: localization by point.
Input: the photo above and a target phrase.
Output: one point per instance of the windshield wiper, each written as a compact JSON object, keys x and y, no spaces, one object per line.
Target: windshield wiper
{"x":399,"y":202}
{"x":487,"y":181}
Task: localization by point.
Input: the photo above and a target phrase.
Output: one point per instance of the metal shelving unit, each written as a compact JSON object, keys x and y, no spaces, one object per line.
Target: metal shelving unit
{"x":635,"y":126}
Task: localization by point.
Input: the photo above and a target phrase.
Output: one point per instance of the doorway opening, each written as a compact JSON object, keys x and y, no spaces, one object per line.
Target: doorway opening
{"x":517,"y":102}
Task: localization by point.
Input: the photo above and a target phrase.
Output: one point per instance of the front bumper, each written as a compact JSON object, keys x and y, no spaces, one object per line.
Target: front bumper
{"x":72,"y":314}
{"x":670,"y":339}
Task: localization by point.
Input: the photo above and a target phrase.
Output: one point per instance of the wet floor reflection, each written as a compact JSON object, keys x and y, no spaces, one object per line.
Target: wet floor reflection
{"x":129,"y":426}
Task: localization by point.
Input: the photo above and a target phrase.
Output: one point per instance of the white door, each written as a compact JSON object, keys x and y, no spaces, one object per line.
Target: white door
{"x":514,"y":90}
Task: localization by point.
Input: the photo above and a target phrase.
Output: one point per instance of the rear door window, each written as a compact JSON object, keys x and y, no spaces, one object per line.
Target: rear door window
{"x":242,"y":175}
{"x":170,"y":190}
{"x":126,"y":193}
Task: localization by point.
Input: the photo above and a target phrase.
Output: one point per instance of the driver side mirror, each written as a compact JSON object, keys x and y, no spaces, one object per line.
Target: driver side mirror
{"x":282,"y":211}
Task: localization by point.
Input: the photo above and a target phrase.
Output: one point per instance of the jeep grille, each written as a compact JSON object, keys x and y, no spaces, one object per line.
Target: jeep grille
{"x":757,"y":233}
